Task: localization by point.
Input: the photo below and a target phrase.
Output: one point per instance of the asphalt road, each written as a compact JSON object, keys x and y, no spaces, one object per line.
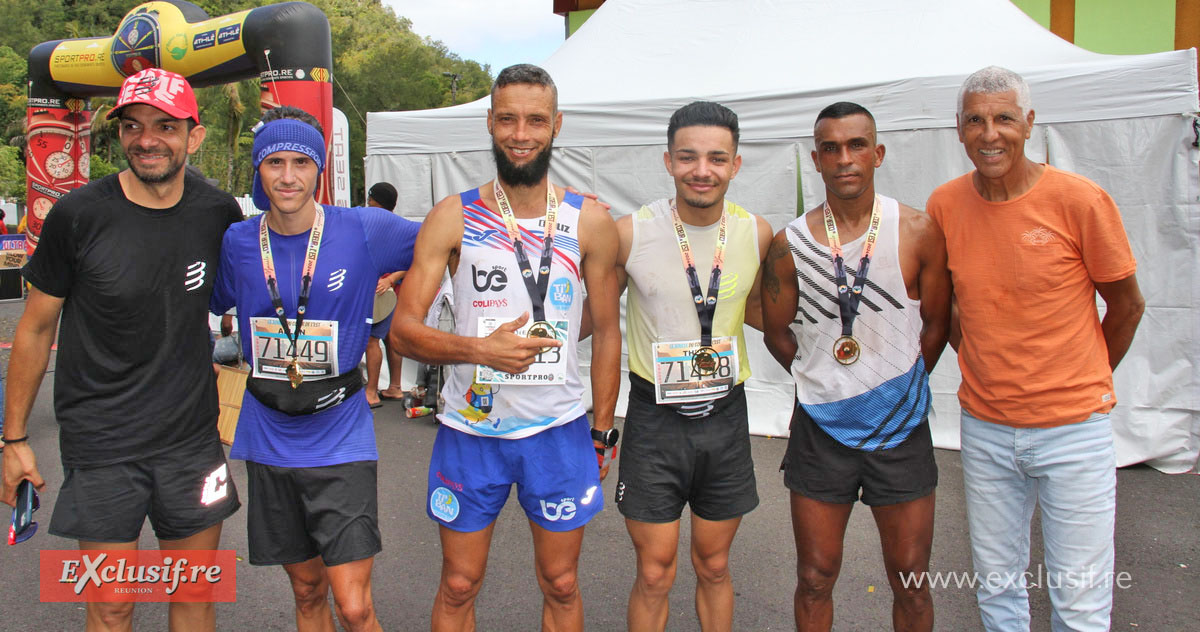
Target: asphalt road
{"x":1158,"y":545}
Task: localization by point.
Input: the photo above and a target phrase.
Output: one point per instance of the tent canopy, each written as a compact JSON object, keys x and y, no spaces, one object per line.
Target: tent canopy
{"x":777,"y":63}
{"x":1124,"y":121}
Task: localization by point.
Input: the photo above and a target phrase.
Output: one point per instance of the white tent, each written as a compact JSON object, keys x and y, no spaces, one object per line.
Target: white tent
{"x":1124,"y":121}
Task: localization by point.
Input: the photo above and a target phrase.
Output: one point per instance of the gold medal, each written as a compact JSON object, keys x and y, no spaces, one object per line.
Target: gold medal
{"x":293,"y":373}
{"x":542,"y":329}
{"x":704,"y":361}
{"x":846,"y":350}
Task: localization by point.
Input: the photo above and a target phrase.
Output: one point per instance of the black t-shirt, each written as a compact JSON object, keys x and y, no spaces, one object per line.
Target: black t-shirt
{"x":134,"y":373}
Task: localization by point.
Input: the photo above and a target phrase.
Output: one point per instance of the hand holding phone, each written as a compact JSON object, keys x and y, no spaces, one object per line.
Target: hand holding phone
{"x":23,"y":527}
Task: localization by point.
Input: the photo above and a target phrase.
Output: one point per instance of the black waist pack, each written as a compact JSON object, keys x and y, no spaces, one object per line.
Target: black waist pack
{"x":309,"y":397}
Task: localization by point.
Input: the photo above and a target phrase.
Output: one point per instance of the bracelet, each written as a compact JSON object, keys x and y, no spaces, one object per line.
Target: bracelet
{"x":21,"y":440}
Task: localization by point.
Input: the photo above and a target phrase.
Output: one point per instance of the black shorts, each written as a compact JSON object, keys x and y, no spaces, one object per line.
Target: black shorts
{"x":184,"y":491}
{"x":817,"y":466}
{"x":298,"y":513}
{"x":668,"y":460}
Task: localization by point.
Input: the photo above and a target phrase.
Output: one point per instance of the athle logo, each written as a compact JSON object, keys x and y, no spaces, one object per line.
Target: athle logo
{"x":194,"y":278}
{"x":485,"y":280}
{"x":337,"y":279}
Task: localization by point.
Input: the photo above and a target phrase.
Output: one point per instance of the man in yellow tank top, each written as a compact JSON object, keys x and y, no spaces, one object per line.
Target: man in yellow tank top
{"x":691,"y":265}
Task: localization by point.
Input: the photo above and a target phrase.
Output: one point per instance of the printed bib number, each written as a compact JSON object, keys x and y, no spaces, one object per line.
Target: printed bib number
{"x":316,"y":349}
{"x":684,"y":371}
{"x":550,"y":367}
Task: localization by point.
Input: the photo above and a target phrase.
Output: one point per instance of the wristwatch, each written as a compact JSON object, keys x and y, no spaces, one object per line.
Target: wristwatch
{"x":607,"y":438}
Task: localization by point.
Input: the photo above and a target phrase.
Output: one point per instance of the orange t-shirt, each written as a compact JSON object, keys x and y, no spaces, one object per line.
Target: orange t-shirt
{"x":1024,"y":271}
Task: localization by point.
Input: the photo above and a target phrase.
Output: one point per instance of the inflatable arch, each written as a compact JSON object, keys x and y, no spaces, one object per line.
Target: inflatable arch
{"x":285,"y":45}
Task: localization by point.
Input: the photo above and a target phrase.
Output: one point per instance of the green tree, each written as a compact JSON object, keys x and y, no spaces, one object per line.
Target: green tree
{"x":12,"y":174}
{"x":379,"y":64}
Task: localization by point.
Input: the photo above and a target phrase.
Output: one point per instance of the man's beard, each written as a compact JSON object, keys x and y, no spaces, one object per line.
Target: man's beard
{"x":165,"y":175}
{"x":701,"y":202}
{"x":525,"y":175}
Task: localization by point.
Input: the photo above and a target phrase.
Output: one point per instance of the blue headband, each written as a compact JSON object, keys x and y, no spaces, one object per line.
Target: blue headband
{"x":284,"y":135}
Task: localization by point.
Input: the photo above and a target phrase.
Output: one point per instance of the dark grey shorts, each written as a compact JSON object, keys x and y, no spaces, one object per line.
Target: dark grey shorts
{"x":298,"y":513}
{"x":668,"y":460}
{"x":817,"y":466}
{"x":184,"y":491}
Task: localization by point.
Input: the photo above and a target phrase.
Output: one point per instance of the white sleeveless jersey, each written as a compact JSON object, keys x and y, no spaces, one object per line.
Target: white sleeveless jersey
{"x":874,"y":403}
{"x":488,"y":283}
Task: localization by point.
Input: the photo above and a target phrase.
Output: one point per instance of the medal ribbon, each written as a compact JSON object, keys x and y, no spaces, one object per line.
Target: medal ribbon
{"x":706,"y":307}
{"x":310,"y":266}
{"x":849,"y":296}
{"x":536,"y":288}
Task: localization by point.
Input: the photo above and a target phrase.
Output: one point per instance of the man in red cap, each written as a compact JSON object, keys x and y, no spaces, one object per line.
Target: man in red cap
{"x":128,"y":261}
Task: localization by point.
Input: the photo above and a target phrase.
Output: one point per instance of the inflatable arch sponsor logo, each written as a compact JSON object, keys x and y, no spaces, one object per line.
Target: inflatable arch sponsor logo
{"x":136,"y":46}
{"x":201,"y":41}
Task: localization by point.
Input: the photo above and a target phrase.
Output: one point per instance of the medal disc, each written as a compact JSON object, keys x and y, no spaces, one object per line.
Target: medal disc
{"x":293,"y":373}
{"x":704,"y":361}
{"x":846,"y":350}
{"x":542,"y":329}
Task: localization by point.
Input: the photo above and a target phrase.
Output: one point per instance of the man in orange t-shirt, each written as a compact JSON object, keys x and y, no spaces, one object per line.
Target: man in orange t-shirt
{"x":1029,"y":246}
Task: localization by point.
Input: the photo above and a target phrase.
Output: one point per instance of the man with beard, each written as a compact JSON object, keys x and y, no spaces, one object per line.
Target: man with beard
{"x":129,"y":262}
{"x":514,"y":414}
{"x":691,"y":263}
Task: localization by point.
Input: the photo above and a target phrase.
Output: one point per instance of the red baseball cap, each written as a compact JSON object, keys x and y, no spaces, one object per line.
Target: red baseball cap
{"x":163,"y":89}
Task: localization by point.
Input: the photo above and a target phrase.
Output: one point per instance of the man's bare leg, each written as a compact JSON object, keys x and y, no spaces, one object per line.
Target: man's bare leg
{"x":906,"y":533}
{"x":195,"y":616}
{"x":395,"y":363}
{"x":374,"y":365}
{"x":106,"y":616}
{"x":818,"y":528}
{"x":711,"y":541}
{"x":657,"y":547}
{"x":556,"y":560}
{"x":351,"y":584}
{"x":464,"y":562}
{"x":310,"y":588}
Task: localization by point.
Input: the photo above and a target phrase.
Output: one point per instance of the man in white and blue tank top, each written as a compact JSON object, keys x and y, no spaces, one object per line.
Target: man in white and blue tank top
{"x":519,"y":251}
{"x":856,"y":299}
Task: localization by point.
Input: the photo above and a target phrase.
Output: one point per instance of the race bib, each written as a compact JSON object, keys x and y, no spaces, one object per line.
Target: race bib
{"x":316,"y":349}
{"x":679,"y":379}
{"x":550,"y":366}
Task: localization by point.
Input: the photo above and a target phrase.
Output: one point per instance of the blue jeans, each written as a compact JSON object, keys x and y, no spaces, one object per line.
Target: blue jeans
{"x":1070,"y":472}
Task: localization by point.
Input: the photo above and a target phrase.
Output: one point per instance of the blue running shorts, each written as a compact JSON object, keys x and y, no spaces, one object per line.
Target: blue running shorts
{"x":557,"y":478}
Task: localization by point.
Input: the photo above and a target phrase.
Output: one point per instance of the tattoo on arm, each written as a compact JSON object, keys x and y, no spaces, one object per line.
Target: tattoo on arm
{"x":770,"y":281}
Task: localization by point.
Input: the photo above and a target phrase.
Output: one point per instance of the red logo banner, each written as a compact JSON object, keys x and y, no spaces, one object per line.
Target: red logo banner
{"x":138,"y":576}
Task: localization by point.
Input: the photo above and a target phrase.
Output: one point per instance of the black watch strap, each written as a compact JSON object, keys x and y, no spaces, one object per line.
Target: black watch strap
{"x":607,"y":438}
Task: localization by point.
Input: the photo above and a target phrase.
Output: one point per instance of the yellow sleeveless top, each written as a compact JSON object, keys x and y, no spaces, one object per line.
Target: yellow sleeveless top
{"x":659,"y":305}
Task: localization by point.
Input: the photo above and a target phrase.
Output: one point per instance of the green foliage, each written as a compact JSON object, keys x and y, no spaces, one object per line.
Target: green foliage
{"x":12,"y":174}
{"x":99,"y":167}
{"x":379,"y":64}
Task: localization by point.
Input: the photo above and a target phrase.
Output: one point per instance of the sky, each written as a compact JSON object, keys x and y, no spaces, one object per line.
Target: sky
{"x":496,"y":32}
